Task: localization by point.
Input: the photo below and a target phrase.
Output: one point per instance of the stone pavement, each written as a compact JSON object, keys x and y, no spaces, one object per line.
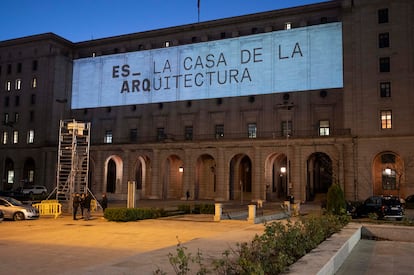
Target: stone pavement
{"x":65,"y":246}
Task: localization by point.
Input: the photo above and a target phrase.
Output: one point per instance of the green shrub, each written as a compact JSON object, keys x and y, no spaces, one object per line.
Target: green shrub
{"x":131,"y":214}
{"x":270,"y":253}
{"x":336,"y":203}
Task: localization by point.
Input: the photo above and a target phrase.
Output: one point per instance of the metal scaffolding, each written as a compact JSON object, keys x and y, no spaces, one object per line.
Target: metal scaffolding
{"x":73,"y":159}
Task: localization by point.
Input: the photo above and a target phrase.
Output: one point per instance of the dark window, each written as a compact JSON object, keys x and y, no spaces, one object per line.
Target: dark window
{"x":19,"y":67}
{"x":382,"y":16}
{"x":34,"y":65}
{"x":384,"y":40}
{"x":9,"y":68}
{"x":0,"y":70}
{"x":6,"y":101}
{"x":133,"y":135}
{"x":188,"y":132}
{"x":31,"y":116}
{"x":286,"y":128}
{"x":17,"y":100}
{"x":384,"y":64}
{"x":219,"y":131}
{"x":385,"y":89}
{"x":33,"y":99}
{"x":222,"y":35}
{"x":160,"y":134}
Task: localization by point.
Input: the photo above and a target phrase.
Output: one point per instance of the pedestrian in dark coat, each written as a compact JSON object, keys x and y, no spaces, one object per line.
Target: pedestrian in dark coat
{"x":76,"y":203}
{"x":104,"y":202}
{"x":82,"y":203}
{"x":87,"y":206}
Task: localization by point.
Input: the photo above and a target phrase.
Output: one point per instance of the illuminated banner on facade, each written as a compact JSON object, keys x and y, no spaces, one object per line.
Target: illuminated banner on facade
{"x":299,"y":59}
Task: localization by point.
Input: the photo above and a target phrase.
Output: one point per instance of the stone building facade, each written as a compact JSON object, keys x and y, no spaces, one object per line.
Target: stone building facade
{"x":253,"y":147}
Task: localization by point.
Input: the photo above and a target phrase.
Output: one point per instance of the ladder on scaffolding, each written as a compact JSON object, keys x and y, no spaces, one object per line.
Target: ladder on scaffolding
{"x":73,"y":159}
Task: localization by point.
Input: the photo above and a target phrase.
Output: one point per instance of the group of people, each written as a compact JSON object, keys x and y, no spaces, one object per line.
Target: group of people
{"x":83,"y":201}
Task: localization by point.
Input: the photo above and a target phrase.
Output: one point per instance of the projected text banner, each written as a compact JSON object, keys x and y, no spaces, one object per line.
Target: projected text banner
{"x":299,"y":59}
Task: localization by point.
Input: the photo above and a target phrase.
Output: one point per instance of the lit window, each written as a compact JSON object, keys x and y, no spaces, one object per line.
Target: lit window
{"x":6,"y":118}
{"x":324,"y":128}
{"x":386,"y":119}
{"x":389,"y":178}
{"x":18,"y":84}
{"x":15,"y":137}
{"x":5,"y":138}
{"x":108,"y":136}
{"x":288,"y":26}
{"x":16,"y":117}
{"x":10,"y":176}
{"x":385,"y":89}
{"x":30,"y":176}
{"x":167,"y":44}
{"x":219,"y":131}
{"x":30,"y":136}
{"x":34,"y":82}
{"x":8,"y":86}
{"x":252,"y":130}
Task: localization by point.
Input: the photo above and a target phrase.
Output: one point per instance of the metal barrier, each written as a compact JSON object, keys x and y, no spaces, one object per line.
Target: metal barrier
{"x":49,"y":208}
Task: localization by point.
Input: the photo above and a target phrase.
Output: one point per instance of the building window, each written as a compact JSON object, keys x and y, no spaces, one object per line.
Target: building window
{"x":108,"y":136}
{"x":188,"y":132}
{"x":5,"y":138}
{"x":385,"y":89}
{"x":160,"y":134}
{"x":34,"y":65}
{"x":17,"y":100}
{"x":10,"y":176}
{"x":384,"y":64}
{"x":16,"y":117}
{"x":167,"y":44}
{"x":19,"y":67}
{"x":33,"y":99}
{"x":252,"y":130}
{"x":18,"y":84}
{"x":9,"y":68}
{"x":382,"y":16}
{"x":30,"y":136}
{"x":6,"y":101}
{"x":384,"y":40}
{"x":386,"y":119}
{"x":288,"y":25}
{"x":6,"y":118}
{"x":8,"y":86}
{"x":219,"y":130}
{"x":34,"y":82}
{"x":286,"y":128}
{"x":133,"y":135}
{"x":31,"y":116}
{"x":324,"y":129}
{"x":389,"y":179}
{"x":15,"y":137}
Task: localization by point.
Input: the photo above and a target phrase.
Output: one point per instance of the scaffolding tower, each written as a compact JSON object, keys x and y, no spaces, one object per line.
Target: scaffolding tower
{"x":73,"y":159}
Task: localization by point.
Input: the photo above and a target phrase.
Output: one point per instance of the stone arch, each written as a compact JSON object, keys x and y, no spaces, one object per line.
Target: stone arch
{"x":113,"y":174}
{"x":172,"y":178}
{"x":387,"y":173}
{"x":319,"y":175}
{"x":240,"y":178}
{"x":206,"y":179}
{"x":142,"y":175}
{"x":276,"y":177}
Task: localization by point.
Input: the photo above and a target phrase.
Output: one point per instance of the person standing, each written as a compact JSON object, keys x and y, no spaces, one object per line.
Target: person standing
{"x":75,"y":204}
{"x":104,"y":202}
{"x":87,"y":206}
{"x":82,"y":203}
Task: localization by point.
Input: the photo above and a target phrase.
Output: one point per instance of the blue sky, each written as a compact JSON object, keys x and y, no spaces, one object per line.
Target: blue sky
{"x":81,"y":20}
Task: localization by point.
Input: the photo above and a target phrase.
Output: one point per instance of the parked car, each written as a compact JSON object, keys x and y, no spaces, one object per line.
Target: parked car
{"x":1,"y":215}
{"x":409,"y":201}
{"x":35,"y":190}
{"x":16,"y":210}
{"x":383,"y":206}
